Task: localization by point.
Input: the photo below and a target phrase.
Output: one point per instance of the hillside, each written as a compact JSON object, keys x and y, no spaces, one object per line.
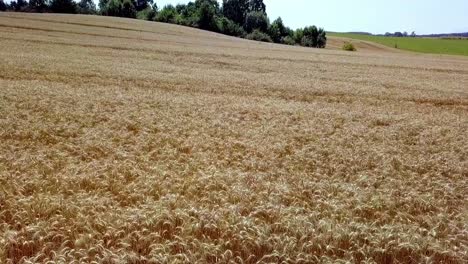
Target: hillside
{"x":123,"y":141}
{"x":419,"y":44}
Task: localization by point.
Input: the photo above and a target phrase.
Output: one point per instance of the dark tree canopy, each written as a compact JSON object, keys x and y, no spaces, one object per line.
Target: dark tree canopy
{"x":241,"y":18}
{"x":63,"y":6}
{"x":118,"y":8}
{"x":142,"y":4}
{"x":314,"y":37}
{"x":87,"y":7}
{"x":256,"y":20}
{"x":206,"y":15}
{"x":236,"y":10}
{"x":3,"y":6}
{"x":257,"y":5}
{"x":38,"y":5}
{"x":19,"y":5}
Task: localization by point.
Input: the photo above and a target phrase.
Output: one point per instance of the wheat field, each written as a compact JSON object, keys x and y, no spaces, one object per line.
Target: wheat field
{"x":123,"y":141}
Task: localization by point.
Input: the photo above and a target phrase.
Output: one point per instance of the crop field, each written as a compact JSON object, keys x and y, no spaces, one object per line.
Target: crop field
{"x":123,"y":141}
{"x":424,"y":45}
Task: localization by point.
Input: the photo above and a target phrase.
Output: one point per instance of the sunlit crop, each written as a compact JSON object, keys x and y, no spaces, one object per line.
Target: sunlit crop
{"x":124,"y":141}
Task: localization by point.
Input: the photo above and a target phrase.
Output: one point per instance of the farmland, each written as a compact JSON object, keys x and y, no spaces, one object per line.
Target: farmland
{"x":124,"y":141}
{"x":424,"y":45}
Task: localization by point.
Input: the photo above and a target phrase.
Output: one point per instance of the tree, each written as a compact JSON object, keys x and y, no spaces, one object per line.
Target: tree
{"x":3,"y":6}
{"x":38,"y":5}
{"x":278,"y":31}
{"x":128,"y":9}
{"x":405,"y":34}
{"x":314,"y":37}
{"x":398,"y":34}
{"x":229,"y":27}
{"x":322,"y":39}
{"x":212,"y":3}
{"x":413,"y":34}
{"x":87,"y":7}
{"x":142,"y":4}
{"x":118,"y":8}
{"x":206,"y":16}
{"x":63,"y":6}
{"x":236,"y":10}
{"x":19,"y":5}
{"x":167,"y":15}
{"x":257,"y":5}
{"x":256,"y":20}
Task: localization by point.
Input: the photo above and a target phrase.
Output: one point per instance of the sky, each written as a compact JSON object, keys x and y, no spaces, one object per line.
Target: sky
{"x":374,"y":16}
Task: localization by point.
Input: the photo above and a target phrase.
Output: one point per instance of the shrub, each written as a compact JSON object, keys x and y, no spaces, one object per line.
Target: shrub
{"x":229,"y":27}
{"x":256,"y":20}
{"x":147,"y":14}
{"x":288,"y":40}
{"x":259,"y":36}
{"x":348,"y":46}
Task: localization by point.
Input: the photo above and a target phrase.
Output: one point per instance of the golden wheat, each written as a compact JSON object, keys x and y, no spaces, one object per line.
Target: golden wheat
{"x":124,"y":141}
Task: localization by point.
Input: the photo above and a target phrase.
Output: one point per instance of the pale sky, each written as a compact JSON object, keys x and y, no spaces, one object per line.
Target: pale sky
{"x":375,"y":16}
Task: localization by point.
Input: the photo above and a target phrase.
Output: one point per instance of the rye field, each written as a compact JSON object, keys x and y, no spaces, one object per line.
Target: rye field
{"x":123,"y":141}
{"x":424,"y":45}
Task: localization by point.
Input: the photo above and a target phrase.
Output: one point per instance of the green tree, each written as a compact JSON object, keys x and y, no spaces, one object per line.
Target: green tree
{"x":298,"y":35}
{"x":213,"y":3}
{"x":19,"y":5}
{"x":118,"y":8}
{"x":322,"y":39}
{"x":142,"y":4}
{"x":38,"y":5}
{"x":257,"y":5}
{"x":167,"y":15}
{"x":87,"y":7}
{"x":128,"y":9}
{"x":229,"y":27}
{"x":188,"y":14}
{"x":63,"y":6}
{"x":3,"y":6}
{"x":314,"y":37}
{"x":277,"y":30}
{"x":206,"y":16}
{"x":236,"y":10}
{"x":148,"y":13}
{"x":256,"y":20}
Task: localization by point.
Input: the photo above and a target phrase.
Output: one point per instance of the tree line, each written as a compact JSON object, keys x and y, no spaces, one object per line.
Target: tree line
{"x":240,"y":18}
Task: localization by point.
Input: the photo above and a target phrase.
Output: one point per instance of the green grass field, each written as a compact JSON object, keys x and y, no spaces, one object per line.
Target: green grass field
{"x":425,"y":45}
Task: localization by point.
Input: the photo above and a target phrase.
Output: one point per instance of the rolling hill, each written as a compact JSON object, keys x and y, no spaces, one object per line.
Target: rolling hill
{"x":123,"y":141}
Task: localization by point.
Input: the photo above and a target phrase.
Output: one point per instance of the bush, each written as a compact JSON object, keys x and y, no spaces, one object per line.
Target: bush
{"x":229,"y":27}
{"x":256,"y":20}
{"x":147,"y":14}
{"x":288,"y":40}
{"x":348,"y":46}
{"x":258,"y":36}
